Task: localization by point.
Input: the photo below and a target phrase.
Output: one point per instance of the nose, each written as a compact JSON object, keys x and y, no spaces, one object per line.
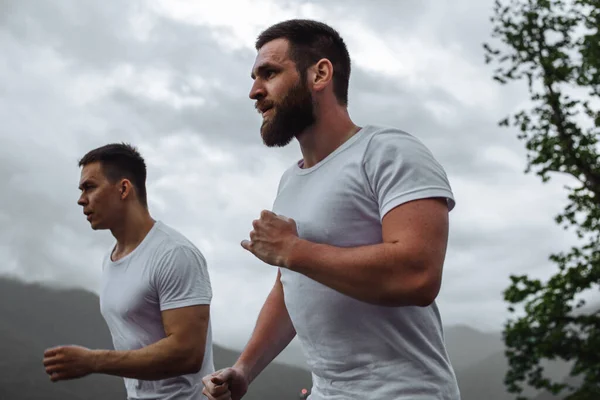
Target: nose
{"x":82,"y":201}
{"x":257,"y":91}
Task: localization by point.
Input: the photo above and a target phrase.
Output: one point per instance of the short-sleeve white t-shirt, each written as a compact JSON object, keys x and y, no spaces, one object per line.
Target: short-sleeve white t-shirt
{"x":358,"y":350}
{"x":164,"y":272}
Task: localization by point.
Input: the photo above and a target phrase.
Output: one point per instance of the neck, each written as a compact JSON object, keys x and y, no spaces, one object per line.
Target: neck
{"x":332,"y":129}
{"x":133,"y":228}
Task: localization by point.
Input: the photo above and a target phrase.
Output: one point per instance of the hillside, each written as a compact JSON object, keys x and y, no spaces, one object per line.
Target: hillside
{"x":35,"y":318}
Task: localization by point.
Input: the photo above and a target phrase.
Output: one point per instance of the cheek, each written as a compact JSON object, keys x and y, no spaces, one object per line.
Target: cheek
{"x":276,"y":92}
{"x":92,"y":199}
{"x":99,"y":200}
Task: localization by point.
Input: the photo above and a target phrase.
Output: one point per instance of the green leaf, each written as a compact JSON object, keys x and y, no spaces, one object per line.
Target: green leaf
{"x":554,"y":46}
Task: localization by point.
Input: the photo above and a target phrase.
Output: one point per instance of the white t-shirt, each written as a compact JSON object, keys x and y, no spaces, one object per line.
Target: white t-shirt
{"x":164,"y":272}
{"x":358,"y":350}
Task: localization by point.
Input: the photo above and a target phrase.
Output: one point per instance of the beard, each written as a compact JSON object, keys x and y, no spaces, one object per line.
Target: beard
{"x":290,"y":117}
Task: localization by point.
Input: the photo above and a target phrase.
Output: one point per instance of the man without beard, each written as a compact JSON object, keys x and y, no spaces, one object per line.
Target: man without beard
{"x":155,"y":291}
{"x":358,"y":232}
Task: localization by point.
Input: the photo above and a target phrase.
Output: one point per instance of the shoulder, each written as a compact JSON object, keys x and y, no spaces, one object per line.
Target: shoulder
{"x":385,"y":140}
{"x":394,"y":148}
{"x":399,"y":167}
{"x":169,"y":244}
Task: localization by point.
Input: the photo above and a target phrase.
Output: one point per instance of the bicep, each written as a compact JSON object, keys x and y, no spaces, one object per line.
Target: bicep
{"x":187,"y":324}
{"x":419,"y":227}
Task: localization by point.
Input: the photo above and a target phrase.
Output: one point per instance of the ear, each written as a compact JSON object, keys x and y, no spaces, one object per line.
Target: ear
{"x":126,"y":188}
{"x":323,"y":74}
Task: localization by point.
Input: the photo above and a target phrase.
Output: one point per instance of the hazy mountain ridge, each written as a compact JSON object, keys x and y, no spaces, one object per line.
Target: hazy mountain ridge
{"x":35,"y":318}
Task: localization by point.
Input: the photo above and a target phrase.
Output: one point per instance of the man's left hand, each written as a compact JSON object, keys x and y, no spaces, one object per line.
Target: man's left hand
{"x":272,"y":238}
{"x":68,"y":362}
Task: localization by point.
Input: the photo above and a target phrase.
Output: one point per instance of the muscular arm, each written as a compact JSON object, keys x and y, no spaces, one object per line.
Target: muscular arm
{"x":404,"y":270}
{"x":180,"y":352}
{"x":273,"y":332}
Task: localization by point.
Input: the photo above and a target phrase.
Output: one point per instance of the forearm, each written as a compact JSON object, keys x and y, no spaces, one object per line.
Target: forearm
{"x":381,"y":274}
{"x":273,"y":332}
{"x":161,"y":360}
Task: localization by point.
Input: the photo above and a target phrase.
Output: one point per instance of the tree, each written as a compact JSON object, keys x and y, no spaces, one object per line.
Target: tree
{"x":554,"y":46}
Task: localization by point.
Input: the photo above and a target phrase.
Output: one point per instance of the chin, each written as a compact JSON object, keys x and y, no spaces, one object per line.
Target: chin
{"x":274,"y":141}
{"x":96,"y":226}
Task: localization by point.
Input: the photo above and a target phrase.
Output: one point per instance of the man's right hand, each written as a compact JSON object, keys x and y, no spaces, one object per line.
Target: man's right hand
{"x":225,"y":384}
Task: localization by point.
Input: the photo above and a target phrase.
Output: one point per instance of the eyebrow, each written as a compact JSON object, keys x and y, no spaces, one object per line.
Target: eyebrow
{"x":84,"y":183}
{"x":261,"y":69}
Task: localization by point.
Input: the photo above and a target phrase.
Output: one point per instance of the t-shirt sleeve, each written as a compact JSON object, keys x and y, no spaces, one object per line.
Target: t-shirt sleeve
{"x":181,"y":279}
{"x":400,"y":168}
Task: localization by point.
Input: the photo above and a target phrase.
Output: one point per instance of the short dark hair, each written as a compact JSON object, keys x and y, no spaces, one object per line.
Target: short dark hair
{"x":118,"y":161}
{"x":311,"y":41}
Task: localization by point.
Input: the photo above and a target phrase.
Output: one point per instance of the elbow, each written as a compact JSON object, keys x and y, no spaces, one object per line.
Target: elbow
{"x":425,"y":293}
{"x":421,"y":291}
{"x":193,"y":362}
{"x":425,"y":297}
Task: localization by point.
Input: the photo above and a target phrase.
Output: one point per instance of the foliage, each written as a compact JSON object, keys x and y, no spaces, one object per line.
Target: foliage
{"x":554,"y":45}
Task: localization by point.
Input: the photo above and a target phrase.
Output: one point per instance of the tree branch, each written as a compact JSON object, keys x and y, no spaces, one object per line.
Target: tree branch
{"x":592,"y":179}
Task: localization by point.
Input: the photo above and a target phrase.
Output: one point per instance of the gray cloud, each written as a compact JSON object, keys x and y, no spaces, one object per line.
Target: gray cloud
{"x":461,"y":26}
{"x":79,"y":74}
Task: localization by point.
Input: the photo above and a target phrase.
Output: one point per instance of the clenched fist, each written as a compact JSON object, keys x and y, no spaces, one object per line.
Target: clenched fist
{"x":226,"y":384}
{"x":68,"y":362}
{"x":272,"y":238}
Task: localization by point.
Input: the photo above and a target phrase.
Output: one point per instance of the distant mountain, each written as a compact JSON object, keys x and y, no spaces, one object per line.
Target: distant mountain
{"x":485,"y":379}
{"x":34,"y":318}
{"x":467,"y":346}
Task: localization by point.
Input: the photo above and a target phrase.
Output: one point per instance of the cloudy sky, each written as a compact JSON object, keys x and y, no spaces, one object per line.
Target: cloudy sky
{"x":172,"y":77}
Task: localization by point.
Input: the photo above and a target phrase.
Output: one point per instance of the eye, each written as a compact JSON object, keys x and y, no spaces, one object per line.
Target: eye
{"x":270,"y":73}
